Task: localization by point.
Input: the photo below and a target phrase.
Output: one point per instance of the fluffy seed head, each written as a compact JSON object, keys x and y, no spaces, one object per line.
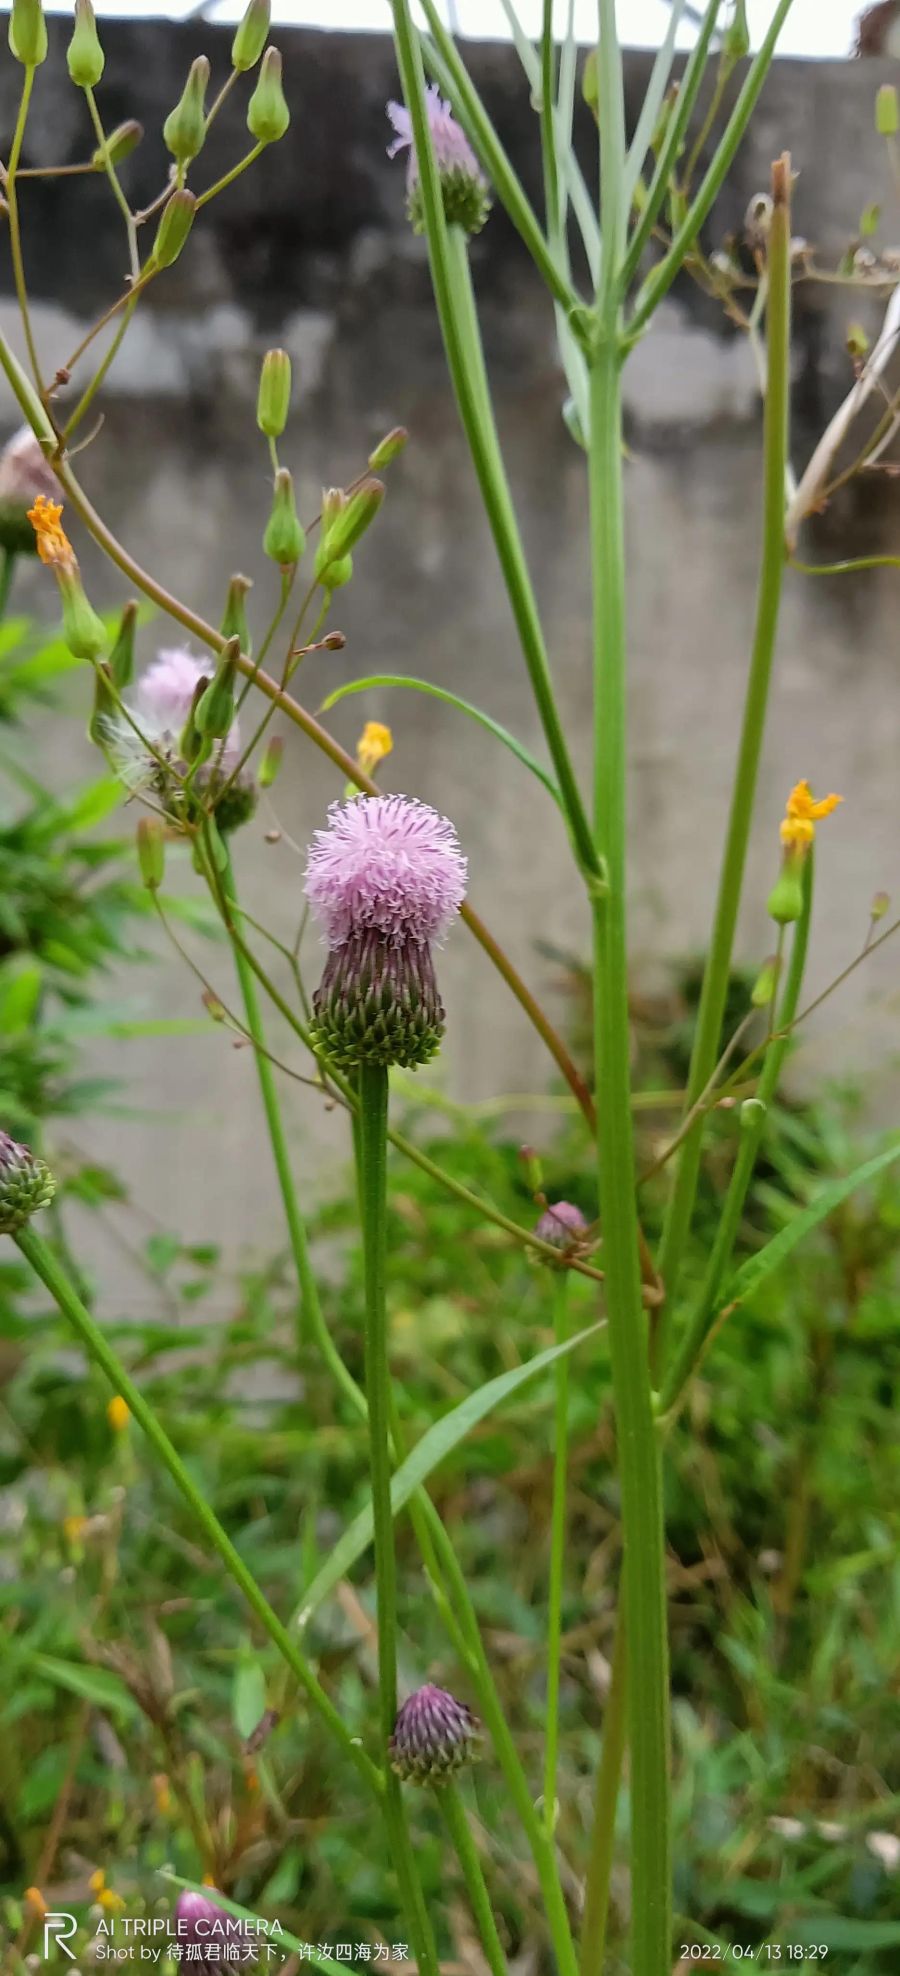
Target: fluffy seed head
{"x":562,"y":1224}
{"x":434,"y":1735}
{"x":26,"y":1185}
{"x":389,"y":864}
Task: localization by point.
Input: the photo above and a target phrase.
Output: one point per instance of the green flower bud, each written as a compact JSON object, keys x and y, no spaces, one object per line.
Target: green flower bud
{"x":271,"y":761}
{"x":234,"y":618}
{"x":28,"y":32}
{"x":377,"y":1004}
{"x":335,"y":575}
{"x":84,"y":55}
{"x":284,"y":540}
{"x":752,"y":1114}
{"x":766,"y":983}
{"x":192,"y":745}
{"x":268,"y":115}
{"x":274,"y":393}
{"x":26,"y":1185}
{"x":887,"y":111}
{"x":880,"y":905}
{"x":388,"y":448}
{"x":121,"y":658}
{"x":185,"y":126}
{"x":736,"y":39}
{"x":151,"y":850}
{"x":251,"y":36}
{"x":174,"y":226}
{"x":84,"y":632}
{"x":342,"y":525}
{"x":119,"y":145}
{"x":785,"y":901}
{"x":214,"y":712}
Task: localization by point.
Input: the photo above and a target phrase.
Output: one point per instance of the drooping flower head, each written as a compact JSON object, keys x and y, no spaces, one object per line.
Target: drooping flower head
{"x":385,"y":880}
{"x":464,"y":187}
{"x":214,"y":1935}
{"x":562,"y":1224}
{"x":26,"y":1185}
{"x":797,"y":830}
{"x":25,"y":473}
{"x":434,"y":1735}
{"x":84,"y":631}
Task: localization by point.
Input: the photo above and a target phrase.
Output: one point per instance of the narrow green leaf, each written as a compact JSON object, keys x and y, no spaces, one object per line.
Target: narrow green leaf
{"x":463,"y":706}
{"x":248,"y":1696}
{"x":426,"y":1456}
{"x":758,"y":1267}
{"x":92,"y":1684}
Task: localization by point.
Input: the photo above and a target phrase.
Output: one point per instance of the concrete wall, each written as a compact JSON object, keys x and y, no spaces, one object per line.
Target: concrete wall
{"x":311,"y":250}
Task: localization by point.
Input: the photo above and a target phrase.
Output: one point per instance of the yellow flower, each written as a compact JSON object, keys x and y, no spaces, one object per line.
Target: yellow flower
{"x":53,"y":545}
{"x":117,"y":1414}
{"x":375,"y":742}
{"x":34,"y":1900}
{"x":162,"y":1793}
{"x":97,"y":1881}
{"x":801,"y":815}
{"x":73,"y":1527}
{"x":112,"y":1902}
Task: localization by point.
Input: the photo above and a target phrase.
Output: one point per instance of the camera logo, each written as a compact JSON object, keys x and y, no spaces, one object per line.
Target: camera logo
{"x":59,"y":1927}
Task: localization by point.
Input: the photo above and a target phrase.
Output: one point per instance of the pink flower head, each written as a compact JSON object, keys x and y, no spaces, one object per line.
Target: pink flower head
{"x":562,"y":1225}
{"x":451,"y":145}
{"x":164,"y":696}
{"x":434,"y":1735}
{"x":387,"y":864}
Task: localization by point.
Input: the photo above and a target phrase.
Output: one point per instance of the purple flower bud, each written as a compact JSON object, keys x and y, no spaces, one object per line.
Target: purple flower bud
{"x":26,"y":1185}
{"x":434,"y":1735}
{"x":220,"y":1936}
{"x":562,"y":1225}
{"x":464,"y":187}
{"x":385,"y":879}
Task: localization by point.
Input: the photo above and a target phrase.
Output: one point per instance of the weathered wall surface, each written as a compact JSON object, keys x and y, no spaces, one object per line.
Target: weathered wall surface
{"x":311,"y":250}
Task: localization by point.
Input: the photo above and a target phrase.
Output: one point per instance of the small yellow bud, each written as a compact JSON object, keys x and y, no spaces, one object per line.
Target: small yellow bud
{"x":374,"y":745}
{"x":35,"y":1902}
{"x":118,"y":1415}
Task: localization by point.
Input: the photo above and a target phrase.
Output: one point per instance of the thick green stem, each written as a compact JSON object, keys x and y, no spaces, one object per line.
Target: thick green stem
{"x":44,"y":1264}
{"x":448,"y":256}
{"x":606,"y":1798}
{"x":373,"y":1114}
{"x":557,"y":1546}
{"x":638,"y":1450}
{"x":715,"y":981}
{"x":754,"y":1123}
{"x":457,"y":1823}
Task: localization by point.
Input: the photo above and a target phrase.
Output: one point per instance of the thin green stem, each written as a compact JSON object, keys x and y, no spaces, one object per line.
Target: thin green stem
{"x":457,"y":1824}
{"x":462,"y":342}
{"x":660,"y":281}
{"x":753,"y":1122}
{"x":639,"y":1454}
{"x":715,"y":981}
{"x":671,"y":147}
{"x":228,"y":178}
{"x":15,"y":234}
{"x":7,"y":572}
{"x":309,"y":1310}
{"x":45,"y":1266}
{"x":548,"y":132}
{"x":373,"y":1115}
{"x":103,"y":368}
{"x":113,"y":177}
{"x":606,"y":1798}
{"x":557,"y":1546}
